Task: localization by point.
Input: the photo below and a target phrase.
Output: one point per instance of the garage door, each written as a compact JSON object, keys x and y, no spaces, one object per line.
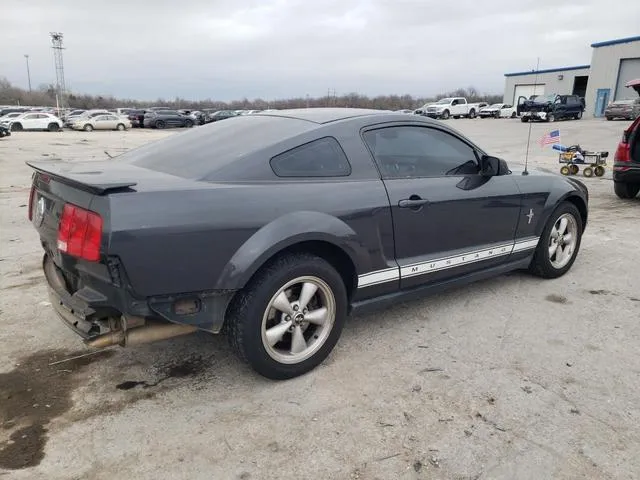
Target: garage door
{"x":629,"y":69}
{"x":527,"y":91}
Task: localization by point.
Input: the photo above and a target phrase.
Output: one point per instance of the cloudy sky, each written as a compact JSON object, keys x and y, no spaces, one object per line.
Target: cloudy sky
{"x":230,"y":49}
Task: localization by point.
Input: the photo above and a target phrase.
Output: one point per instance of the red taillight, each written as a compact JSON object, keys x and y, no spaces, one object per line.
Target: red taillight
{"x":30,"y":206}
{"x":80,"y":233}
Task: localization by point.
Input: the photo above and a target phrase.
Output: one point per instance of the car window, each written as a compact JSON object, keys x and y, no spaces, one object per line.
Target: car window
{"x":111,"y":117}
{"x":30,"y":117}
{"x":320,"y":158}
{"x":415,"y":152}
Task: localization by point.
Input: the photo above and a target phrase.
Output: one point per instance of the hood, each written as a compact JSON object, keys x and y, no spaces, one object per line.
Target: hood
{"x":635,"y":84}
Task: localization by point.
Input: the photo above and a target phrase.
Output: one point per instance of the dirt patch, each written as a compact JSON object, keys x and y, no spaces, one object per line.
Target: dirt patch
{"x":32,"y":395}
{"x":556,"y":298}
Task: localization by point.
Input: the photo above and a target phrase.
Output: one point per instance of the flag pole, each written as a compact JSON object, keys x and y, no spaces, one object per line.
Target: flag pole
{"x":526,"y":157}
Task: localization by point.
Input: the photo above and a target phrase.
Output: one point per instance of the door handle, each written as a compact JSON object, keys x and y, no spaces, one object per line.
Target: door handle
{"x":414,"y":202}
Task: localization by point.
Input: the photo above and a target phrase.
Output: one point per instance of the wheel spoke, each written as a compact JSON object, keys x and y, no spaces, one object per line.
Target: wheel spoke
{"x":298,"y":343}
{"x":275,"y":334}
{"x":554,"y":232}
{"x":552,"y":249}
{"x":317,"y":317}
{"x":307,"y":293}
{"x":282,"y":304}
{"x":568,"y":237}
{"x":563,"y":225}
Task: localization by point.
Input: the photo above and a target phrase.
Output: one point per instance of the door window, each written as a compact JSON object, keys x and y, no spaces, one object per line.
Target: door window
{"x":33,"y":116}
{"x":415,"y":152}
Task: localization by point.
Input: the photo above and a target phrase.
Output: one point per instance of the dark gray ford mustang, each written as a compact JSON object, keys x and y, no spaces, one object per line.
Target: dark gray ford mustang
{"x":272,"y":228}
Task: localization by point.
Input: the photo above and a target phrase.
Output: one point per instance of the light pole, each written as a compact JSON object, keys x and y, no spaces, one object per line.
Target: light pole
{"x":28,"y":73}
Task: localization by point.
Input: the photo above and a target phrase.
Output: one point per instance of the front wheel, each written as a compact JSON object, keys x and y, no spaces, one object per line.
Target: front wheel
{"x":472,"y":113}
{"x":578,"y":115}
{"x":16,"y":127}
{"x":159,"y":124}
{"x":120,"y":127}
{"x":559,"y":244}
{"x":289,"y":317}
{"x":445,"y":115}
{"x":88,"y":127}
{"x":551,"y":118}
{"x":626,"y":190}
{"x":513,"y":115}
{"x":188,"y":124}
{"x":524,"y":119}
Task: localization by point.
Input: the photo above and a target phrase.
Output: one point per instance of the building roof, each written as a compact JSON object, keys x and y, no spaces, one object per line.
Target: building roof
{"x":615,"y":42}
{"x":548,"y":70}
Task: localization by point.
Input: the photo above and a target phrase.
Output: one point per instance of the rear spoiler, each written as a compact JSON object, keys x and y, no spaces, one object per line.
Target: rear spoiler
{"x":82,"y":176}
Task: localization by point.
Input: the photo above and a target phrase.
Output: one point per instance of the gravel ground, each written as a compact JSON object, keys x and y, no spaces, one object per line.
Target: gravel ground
{"x":511,"y":378}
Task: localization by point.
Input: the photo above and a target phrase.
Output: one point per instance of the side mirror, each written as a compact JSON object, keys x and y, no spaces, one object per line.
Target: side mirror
{"x":492,"y":166}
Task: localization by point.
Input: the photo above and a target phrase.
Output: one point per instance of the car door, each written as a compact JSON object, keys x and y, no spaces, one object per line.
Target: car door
{"x":31,"y":122}
{"x":110,"y":122}
{"x":448,"y":220}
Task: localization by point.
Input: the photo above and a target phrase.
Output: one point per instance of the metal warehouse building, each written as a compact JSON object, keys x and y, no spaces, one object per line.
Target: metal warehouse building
{"x":613,"y":63}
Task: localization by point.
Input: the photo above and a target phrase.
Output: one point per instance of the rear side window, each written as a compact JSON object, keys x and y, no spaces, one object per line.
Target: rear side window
{"x":320,"y":158}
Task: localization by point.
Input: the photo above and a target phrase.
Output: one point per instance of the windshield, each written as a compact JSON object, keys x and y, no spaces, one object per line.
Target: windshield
{"x":199,"y":152}
{"x":546,"y":98}
{"x":443,"y":101}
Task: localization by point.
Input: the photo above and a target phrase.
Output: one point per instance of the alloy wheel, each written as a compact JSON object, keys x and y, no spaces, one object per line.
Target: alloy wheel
{"x":562,"y":240}
{"x":298,"y":320}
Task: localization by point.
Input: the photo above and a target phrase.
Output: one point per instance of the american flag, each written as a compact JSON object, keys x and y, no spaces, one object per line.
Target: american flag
{"x":549,"y":138}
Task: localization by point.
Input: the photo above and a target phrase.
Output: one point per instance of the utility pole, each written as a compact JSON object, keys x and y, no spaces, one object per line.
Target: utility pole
{"x":56,"y":41}
{"x":28,"y":73}
{"x":307,"y":100}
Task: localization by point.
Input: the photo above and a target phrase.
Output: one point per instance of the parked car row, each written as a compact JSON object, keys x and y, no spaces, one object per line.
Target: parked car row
{"x":455,"y":107}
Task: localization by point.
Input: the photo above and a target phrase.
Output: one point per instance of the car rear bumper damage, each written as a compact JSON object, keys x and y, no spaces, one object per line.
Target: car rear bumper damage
{"x":108,"y":315}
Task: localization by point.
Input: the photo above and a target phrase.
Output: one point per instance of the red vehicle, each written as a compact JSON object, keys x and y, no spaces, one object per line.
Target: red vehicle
{"x":626,"y":162}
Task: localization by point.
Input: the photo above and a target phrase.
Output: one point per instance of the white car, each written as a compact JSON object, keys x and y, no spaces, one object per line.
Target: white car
{"x":455,"y":107}
{"x":498,"y":110}
{"x":10,"y":116}
{"x":33,"y":121}
{"x":102,"y":122}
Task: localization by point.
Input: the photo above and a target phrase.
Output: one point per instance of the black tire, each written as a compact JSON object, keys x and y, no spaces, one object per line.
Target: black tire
{"x":551,"y":117}
{"x":598,"y":171}
{"x":456,"y":116}
{"x":541,"y":265}
{"x":53,"y":127}
{"x":587,"y":172}
{"x":565,"y":170}
{"x":609,"y":118}
{"x":574,"y":169}
{"x":578,"y":115}
{"x":16,"y":127}
{"x":120,"y":127}
{"x":445,"y":115}
{"x":159,"y":124}
{"x":514,"y":114}
{"x":472,"y":113}
{"x":88,"y":128}
{"x":245,"y":316}
{"x":524,"y":119}
{"x":188,"y":124}
{"x":626,"y":190}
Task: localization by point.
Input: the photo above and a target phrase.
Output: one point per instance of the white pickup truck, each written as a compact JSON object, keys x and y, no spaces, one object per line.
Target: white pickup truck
{"x":455,"y":107}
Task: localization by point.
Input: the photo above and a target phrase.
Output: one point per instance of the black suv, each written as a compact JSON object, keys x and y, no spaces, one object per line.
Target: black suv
{"x":551,"y":107}
{"x":167,"y":119}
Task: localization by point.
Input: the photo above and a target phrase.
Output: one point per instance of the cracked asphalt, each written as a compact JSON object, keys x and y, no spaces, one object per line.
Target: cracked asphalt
{"x":511,"y":378}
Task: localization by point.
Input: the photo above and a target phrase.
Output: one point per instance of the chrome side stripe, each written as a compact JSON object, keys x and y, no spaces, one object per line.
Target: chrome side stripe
{"x":456,"y":261}
{"x":379,"y":276}
{"x":393,"y":274}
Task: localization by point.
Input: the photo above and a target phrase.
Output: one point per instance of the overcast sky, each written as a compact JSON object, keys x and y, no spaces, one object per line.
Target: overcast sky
{"x":230,"y":49}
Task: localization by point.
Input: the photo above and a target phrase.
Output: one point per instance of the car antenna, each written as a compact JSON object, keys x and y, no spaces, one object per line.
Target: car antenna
{"x":108,"y":154}
{"x":526,"y":157}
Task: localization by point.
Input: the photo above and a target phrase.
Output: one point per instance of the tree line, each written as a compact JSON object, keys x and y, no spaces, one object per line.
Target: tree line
{"x":45,"y":95}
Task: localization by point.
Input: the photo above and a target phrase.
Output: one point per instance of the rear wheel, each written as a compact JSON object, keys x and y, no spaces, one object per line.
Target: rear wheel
{"x":524,"y":119}
{"x":565,"y":170}
{"x":599,"y":171}
{"x":16,"y":127}
{"x":159,"y":124}
{"x":578,"y":115}
{"x":626,"y":190}
{"x":53,"y":127}
{"x":472,"y":113}
{"x":559,"y":243}
{"x":120,"y":127}
{"x":574,"y":169}
{"x":88,"y":127}
{"x":289,"y":317}
{"x":551,"y":117}
{"x":513,"y":115}
{"x":188,"y":124}
{"x":609,"y":118}
{"x":587,"y":172}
